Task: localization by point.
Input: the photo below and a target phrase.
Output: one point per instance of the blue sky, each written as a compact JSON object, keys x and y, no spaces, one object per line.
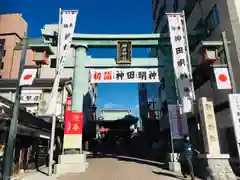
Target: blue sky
{"x":95,"y":16}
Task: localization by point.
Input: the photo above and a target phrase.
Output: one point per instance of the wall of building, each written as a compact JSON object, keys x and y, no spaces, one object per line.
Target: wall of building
{"x":228,"y":13}
{"x":13,"y":28}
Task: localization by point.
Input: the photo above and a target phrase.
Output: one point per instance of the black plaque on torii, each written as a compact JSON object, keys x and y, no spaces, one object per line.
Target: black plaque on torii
{"x":124,"y":52}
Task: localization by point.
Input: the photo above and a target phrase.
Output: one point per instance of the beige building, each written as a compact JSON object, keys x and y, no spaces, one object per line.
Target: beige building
{"x":12,"y":30}
{"x":211,"y":17}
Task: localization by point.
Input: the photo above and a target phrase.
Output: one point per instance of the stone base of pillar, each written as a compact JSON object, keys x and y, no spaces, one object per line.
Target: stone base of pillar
{"x":174,"y":167}
{"x":217,"y":167}
{"x":71,"y":163}
{"x":173,"y":164}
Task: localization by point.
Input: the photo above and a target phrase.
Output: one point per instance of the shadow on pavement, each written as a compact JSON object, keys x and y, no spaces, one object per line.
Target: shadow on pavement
{"x":129,"y":159}
{"x":168,"y":174}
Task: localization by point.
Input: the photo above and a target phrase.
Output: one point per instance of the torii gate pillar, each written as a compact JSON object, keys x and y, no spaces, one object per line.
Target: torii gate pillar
{"x":74,"y":161}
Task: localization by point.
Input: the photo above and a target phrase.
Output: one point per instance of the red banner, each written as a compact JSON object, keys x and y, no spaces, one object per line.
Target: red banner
{"x":68,"y":103}
{"x":67,"y":115}
{"x":74,"y":123}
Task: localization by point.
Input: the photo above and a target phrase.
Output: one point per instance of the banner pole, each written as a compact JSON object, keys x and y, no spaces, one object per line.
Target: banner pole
{"x":54,"y":118}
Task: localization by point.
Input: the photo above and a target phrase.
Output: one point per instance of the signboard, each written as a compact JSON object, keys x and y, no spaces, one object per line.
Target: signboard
{"x":73,"y":123}
{"x":222,"y":78}
{"x":208,"y":126}
{"x":181,"y":63}
{"x":234,"y":101}
{"x":73,"y":126}
{"x":67,"y":114}
{"x":178,"y":120}
{"x":124,"y":75}
{"x":30,"y":96}
{"x":124,"y":52}
{"x":27,"y":77}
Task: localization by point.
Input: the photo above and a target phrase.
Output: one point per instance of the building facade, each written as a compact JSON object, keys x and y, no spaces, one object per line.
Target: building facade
{"x":211,"y":18}
{"x":12,"y":30}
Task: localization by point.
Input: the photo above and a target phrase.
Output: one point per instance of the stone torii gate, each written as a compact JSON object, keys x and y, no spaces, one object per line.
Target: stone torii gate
{"x":82,"y":63}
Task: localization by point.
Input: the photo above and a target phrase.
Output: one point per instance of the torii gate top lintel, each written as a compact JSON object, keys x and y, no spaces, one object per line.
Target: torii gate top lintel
{"x":138,"y":40}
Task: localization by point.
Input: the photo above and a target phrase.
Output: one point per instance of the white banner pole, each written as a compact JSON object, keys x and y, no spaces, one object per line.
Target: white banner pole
{"x":54,"y":119}
{"x":67,"y":22}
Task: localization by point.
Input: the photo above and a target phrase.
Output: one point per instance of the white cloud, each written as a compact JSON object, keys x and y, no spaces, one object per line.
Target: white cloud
{"x":111,"y":105}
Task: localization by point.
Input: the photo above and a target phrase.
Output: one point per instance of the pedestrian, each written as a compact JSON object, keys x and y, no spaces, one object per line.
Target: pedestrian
{"x":185,"y":157}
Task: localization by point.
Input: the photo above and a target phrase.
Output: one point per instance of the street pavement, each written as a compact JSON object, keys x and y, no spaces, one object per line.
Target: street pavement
{"x":109,"y":168}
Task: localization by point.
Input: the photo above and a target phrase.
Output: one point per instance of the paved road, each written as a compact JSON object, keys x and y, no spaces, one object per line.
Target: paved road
{"x":115,"y":169}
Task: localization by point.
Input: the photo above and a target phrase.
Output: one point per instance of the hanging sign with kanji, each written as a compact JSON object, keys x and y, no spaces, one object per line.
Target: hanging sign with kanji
{"x":27,"y":77}
{"x":222,"y":78}
{"x":67,"y":115}
{"x":124,"y":52}
{"x":73,"y":123}
{"x":124,"y":75}
{"x":181,"y":61}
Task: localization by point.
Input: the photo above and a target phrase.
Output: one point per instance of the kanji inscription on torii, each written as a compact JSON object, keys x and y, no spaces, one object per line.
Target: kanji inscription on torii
{"x":124,"y":75}
{"x":124,"y":52}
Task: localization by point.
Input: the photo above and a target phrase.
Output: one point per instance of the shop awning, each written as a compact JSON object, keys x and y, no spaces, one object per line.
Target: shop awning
{"x":26,"y":119}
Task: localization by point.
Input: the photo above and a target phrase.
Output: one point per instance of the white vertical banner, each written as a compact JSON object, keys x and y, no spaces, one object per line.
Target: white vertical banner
{"x":234,"y":101}
{"x":181,"y":63}
{"x":67,"y":24}
{"x":67,"y":29}
{"x":222,"y":78}
{"x":178,"y":120}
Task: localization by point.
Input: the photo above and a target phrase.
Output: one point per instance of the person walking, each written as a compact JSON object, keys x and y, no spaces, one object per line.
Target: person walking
{"x":185,"y":157}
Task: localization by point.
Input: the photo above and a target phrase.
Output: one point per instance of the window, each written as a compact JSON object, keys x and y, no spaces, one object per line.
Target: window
{"x":2,"y":53}
{"x":0,"y":76}
{"x":212,"y":20}
{"x":1,"y":65}
{"x":53,"y":63}
{"x":199,"y":26}
{"x":165,"y":28}
{"x":175,"y":5}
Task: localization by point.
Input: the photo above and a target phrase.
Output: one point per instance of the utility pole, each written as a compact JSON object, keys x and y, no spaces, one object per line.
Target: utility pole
{"x":9,"y":151}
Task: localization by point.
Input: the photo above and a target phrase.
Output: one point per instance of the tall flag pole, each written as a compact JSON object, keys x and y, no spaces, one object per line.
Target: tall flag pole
{"x":59,"y":38}
{"x":67,"y":22}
